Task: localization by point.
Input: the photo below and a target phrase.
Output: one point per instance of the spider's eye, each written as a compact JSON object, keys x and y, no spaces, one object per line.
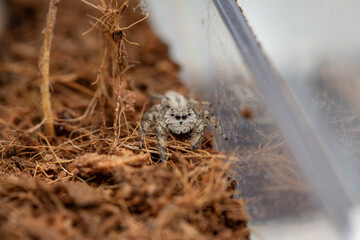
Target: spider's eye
{"x":184,"y":117}
{"x":172,"y":115}
{"x":178,"y":117}
{"x":189,"y":114}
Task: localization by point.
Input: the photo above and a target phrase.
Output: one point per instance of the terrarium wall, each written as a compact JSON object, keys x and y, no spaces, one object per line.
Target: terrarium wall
{"x":314,"y":47}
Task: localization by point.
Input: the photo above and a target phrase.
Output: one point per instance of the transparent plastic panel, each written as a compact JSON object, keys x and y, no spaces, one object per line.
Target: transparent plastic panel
{"x":313,"y":46}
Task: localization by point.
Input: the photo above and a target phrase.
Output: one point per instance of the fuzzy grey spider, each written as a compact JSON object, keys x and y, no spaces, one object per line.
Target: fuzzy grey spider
{"x":175,"y":114}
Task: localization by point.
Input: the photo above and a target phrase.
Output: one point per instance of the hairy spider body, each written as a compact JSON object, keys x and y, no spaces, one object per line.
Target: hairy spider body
{"x":175,"y":114}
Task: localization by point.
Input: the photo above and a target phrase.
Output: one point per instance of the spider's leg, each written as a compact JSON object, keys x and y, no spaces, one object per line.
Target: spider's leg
{"x":192,"y":96}
{"x":211,"y":119}
{"x":205,"y":104}
{"x":162,"y":134}
{"x":157,"y":96}
{"x":201,"y":103}
{"x":197,"y":134}
{"x":147,"y":120}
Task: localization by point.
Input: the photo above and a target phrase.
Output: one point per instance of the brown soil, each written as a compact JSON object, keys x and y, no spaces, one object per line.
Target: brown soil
{"x":79,"y":185}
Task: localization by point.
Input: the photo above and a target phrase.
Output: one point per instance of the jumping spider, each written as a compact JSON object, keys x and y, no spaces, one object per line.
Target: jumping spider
{"x":175,"y":114}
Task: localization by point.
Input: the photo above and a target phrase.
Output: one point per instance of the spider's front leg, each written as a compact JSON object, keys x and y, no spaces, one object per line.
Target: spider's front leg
{"x":197,"y":134}
{"x":162,"y":134}
{"x":147,"y":120}
{"x":194,"y":102}
{"x":209,"y":116}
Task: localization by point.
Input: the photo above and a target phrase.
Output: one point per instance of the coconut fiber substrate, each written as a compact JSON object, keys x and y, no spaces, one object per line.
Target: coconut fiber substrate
{"x":82,"y":175}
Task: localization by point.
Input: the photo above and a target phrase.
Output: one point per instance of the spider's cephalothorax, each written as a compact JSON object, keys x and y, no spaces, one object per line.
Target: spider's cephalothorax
{"x":175,"y":114}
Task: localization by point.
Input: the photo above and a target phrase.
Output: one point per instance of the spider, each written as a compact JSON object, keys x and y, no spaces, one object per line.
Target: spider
{"x":177,"y":115}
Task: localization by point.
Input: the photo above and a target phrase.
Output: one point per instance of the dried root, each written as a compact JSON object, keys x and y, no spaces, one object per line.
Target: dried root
{"x":44,"y":64}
